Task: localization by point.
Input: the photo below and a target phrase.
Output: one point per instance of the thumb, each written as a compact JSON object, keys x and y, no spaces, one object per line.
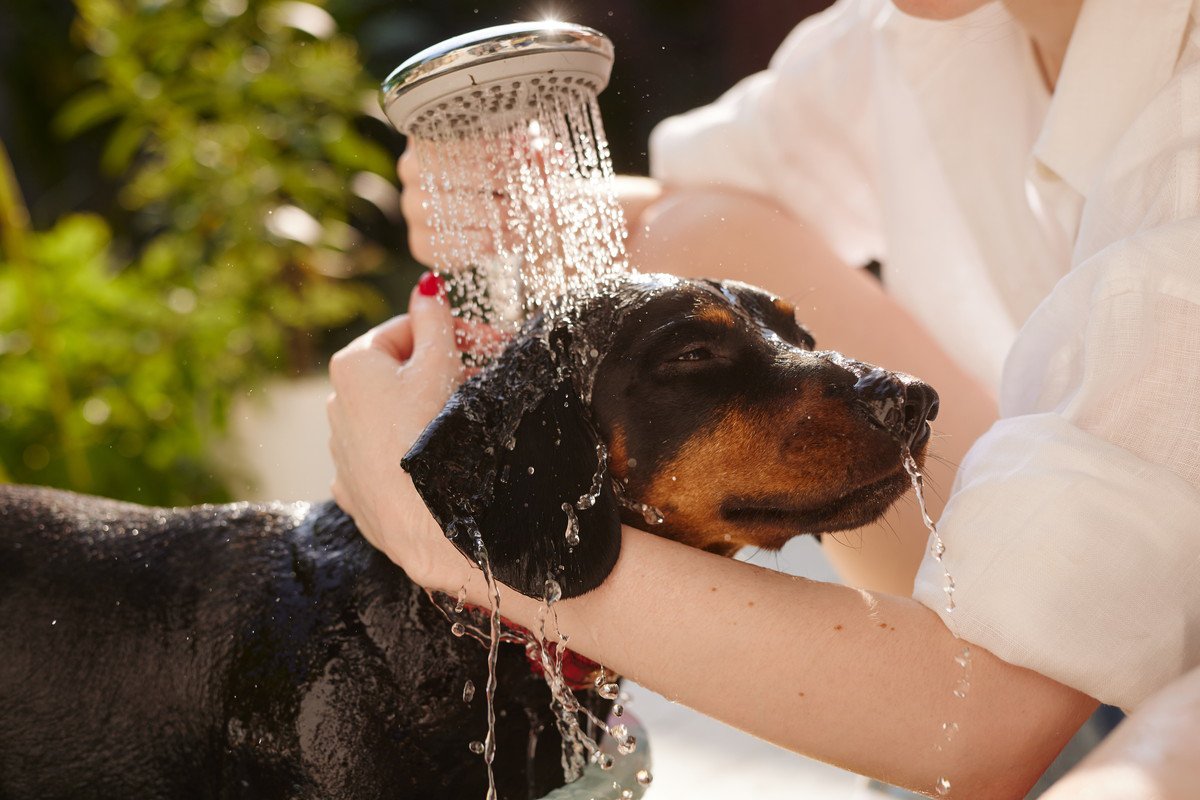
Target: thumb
{"x":432,"y":322}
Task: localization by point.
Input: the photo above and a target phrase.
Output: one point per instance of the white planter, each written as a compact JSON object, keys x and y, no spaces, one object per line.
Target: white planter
{"x":280,"y":441}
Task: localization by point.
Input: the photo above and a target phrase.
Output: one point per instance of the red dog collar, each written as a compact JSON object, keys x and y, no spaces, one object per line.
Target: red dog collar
{"x":578,"y":672}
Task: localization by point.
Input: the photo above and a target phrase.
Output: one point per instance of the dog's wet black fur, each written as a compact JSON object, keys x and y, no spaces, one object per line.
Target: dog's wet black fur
{"x":267,"y":651}
{"x":245,"y":651}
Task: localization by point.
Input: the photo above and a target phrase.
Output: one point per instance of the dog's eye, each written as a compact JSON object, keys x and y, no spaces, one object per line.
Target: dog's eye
{"x":695,"y":354}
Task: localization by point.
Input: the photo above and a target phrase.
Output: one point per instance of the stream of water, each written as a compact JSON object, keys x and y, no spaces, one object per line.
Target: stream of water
{"x":937,"y":549}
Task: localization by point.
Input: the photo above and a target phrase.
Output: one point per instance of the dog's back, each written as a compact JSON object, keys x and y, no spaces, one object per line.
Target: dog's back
{"x":236,"y":651}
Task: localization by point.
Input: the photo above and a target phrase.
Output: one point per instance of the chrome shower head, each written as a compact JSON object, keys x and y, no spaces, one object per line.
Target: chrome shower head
{"x":491,"y":71}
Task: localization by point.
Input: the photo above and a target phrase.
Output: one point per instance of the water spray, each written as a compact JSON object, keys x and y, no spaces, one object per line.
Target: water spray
{"x":506,"y":127}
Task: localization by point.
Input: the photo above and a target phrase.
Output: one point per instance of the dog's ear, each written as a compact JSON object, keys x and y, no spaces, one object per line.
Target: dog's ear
{"x":514,"y":462}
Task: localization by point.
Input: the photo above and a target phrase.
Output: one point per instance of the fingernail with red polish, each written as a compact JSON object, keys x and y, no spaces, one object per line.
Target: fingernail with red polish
{"x":431,"y":284}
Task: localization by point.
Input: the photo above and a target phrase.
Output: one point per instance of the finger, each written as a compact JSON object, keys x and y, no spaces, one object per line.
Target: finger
{"x":473,"y":207}
{"x":432,"y":322}
{"x":394,"y":337}
{"x":408,"y":168}
{"x":392,"y":340}
{"x":414,"y":204}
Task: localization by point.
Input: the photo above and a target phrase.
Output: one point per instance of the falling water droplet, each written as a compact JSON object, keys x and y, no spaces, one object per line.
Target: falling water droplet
{"x":609,"y":691}
{"x":604,"y":760}
{"x":476,"y":747}
{"x":458,"y":629}
{"x":618,"y":709}
{"x":627,"y":746}
{"x":553,"y":592}
{"x":644,"y":777}
{"x":468,"y":691}
{"x":572,"y":524}
{"x":461,"y":601}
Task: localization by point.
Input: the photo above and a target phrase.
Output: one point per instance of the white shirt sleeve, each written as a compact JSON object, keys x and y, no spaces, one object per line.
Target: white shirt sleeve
{"x":1073,"y":533}
{"x":800,"y":132}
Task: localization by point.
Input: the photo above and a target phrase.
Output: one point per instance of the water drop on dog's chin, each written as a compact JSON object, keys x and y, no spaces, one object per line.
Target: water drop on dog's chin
{"x":651,"y":515}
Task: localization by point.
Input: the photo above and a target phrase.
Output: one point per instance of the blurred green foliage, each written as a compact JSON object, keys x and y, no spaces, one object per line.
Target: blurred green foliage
{"x":234,"y":128}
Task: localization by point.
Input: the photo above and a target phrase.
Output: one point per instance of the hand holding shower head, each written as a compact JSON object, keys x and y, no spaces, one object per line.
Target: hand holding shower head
{"x":491,"y":71}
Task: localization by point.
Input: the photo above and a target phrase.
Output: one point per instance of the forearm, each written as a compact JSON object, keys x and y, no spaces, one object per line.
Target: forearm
{"x":861,"y":681}
{"x":1150,"y":756}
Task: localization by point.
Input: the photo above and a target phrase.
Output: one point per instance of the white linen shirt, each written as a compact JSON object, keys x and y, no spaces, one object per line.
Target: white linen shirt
{"x":1052,"y":245}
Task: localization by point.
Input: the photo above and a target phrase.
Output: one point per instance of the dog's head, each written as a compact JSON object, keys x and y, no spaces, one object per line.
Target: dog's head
{"x":699,"y":403}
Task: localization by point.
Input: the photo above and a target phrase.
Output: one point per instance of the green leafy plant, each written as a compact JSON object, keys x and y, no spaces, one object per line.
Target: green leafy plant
{"x":234,"y":126}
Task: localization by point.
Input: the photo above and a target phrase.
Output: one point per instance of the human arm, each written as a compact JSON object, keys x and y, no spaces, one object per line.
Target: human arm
{"x":1150,"y":756}
{"x":874,"y":698}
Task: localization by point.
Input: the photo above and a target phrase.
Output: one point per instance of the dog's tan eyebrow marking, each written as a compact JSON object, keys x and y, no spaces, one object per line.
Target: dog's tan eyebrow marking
{"x":784,"y":307}
{"x":716,"y":316}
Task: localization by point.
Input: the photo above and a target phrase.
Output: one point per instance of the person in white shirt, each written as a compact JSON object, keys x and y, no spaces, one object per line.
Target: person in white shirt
{"x":1028,"y":172}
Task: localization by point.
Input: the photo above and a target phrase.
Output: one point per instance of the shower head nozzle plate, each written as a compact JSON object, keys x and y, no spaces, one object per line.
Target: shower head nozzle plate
{"x":491,"y":61}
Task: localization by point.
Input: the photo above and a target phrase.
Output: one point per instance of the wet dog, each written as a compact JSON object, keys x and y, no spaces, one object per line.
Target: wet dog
{"x":266,"y":651}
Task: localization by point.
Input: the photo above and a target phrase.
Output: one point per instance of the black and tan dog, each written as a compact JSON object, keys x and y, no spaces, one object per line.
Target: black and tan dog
{"x":266,"y":651}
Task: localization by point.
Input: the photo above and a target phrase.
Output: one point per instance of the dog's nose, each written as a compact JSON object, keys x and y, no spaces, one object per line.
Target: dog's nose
{"x":898,"y":403}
